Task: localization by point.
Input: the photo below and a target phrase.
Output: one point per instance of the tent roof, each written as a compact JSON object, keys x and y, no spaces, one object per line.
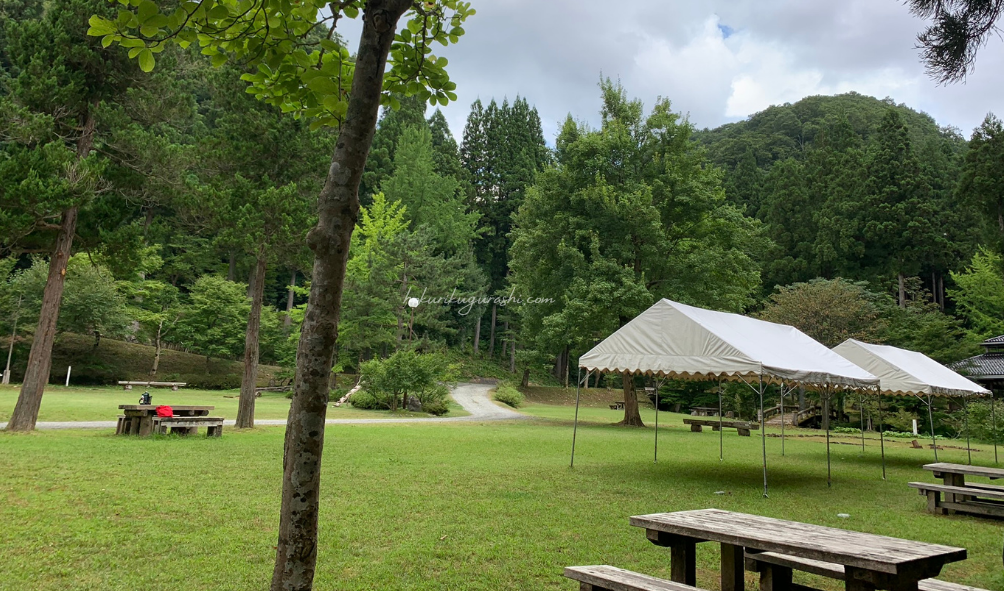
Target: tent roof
{"x":680,"y":341}
{"x":907,"y":372}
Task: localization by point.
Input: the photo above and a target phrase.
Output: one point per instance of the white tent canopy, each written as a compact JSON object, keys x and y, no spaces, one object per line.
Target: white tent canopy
{"x":903,"y":372}
{"x":676,"y":340}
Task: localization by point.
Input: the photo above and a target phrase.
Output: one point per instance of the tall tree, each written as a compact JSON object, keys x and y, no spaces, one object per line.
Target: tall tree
{"x":629,"y":213}
{"x":308,"y":77}
{"x":982,"y":184}
{"x":57,"y":74}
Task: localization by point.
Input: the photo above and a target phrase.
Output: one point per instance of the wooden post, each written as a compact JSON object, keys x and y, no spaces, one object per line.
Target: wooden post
{"x":683,"y":562}
{"x":774,"y":578}
{"x":733,"y":558}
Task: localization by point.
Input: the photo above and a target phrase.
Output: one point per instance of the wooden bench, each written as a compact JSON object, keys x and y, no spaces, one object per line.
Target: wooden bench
{"x":775,"y":572}
{"x":619,"y":405}
{"x":743,"y":427}
{"x":171,"y":385}
{"x":978,"y":499}
{"x":188,"y":425}
{"x":611,"y":578}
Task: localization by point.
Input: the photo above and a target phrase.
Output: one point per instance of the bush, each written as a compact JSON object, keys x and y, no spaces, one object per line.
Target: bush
{"x":405,"y":373}
{"x":507,"y":394}
{"x":437,"y":407}
{"x":363,"y":400}
{"x":216,"y":382}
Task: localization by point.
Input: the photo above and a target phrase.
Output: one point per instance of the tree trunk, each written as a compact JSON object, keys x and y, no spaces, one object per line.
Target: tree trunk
{"x":491,"y":335}
{"x":157,"y":349}
{"x":245,"y":406}
{"x":512,"y":356}
{"x":338,"y":211}
{"x":36,"y":375}
{"x":477,"y":336}
{"x":232,"y":267}
{"x":632,"y":417}
{"x":941,"y":292}
{"x":287,"y":323}
{"x":902,"y":291}
{"x":526,"y":378}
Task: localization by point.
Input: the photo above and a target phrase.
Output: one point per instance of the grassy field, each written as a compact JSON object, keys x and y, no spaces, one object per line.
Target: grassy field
{"x":101,"y":404}
{"x":432,"y":506}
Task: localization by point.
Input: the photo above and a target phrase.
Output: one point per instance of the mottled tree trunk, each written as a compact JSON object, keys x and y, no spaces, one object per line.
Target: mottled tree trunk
{"x":158,"y":347}
{"x":245,"y":406}
{"x":338,"y":210}
{"x":288,"y":321}
{"x":491,"y":335}
{"x":632,"y":416}
{"x":477,"y":336}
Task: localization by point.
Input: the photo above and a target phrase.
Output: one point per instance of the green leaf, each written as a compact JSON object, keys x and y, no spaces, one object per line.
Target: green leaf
{"x":146,"y":61}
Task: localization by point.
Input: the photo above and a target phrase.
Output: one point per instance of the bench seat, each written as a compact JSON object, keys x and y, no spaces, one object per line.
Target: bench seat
{"x":977,"y":500}
{"x":743,"y":427}
{"x":611,"y":578}
{"x":214,"y":425}
{"x":754,"y":563}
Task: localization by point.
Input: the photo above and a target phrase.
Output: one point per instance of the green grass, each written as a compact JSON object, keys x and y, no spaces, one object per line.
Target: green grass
{"x":432,"y":506}
{"x":102,"y":404}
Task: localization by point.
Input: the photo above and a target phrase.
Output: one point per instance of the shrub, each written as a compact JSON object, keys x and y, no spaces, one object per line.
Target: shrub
{"x":405,"y":373}
{"x":507,"y":394}
{"x":365,"y":401}
{"x":216,"y":382}
{"x":437,"y":407}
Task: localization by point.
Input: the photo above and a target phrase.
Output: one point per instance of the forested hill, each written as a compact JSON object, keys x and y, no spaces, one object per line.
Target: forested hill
{"x":789,"y":130}
{"x":851,"y":186}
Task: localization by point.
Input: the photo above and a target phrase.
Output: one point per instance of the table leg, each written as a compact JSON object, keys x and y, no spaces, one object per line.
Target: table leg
{"x":683,"y":565}
{"x":146,"y":425}
{"x":133,"y":427}
{"x":733,"y":576}
{"x":775,"y":578}
{"x":858,"y":580}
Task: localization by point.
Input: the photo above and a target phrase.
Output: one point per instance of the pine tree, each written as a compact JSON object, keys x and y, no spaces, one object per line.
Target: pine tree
{"x":60,"y":75}
{"x":393,"y":123}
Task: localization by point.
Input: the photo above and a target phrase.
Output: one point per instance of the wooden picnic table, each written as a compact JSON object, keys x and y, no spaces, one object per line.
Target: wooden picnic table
{"x":137,"y":419}
{"x":704,"y":411}
{"x":871,"y":561}
{"x":971,"y":497}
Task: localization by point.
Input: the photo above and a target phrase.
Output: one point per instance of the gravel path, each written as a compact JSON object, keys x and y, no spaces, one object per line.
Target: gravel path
{"x":473,"y":397}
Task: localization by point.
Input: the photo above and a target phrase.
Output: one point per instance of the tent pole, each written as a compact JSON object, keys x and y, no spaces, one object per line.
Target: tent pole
{"x":881,"y":434}
{"x":993,"y":417}
{"x":763,"y":439}
{"x":575,"y":428}
{"x":965,"y":411}
{"x":655,"y":459}
{"x":930,"y":417}
{"x":861,"y":411}
{"x":826,"y":411}
{"x":782,"y":420}
{"x":721,"y":431}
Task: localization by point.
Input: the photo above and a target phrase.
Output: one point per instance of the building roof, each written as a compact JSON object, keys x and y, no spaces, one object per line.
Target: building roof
{"x":985,"y":366}
{"x":992,"y":341}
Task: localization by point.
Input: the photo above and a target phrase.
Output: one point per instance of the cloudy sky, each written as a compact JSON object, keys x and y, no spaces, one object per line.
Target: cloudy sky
{"x":717,"y":60}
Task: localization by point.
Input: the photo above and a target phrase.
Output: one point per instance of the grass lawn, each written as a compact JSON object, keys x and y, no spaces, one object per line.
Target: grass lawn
{"x":102,"y":403}
{"x":432,"y":506}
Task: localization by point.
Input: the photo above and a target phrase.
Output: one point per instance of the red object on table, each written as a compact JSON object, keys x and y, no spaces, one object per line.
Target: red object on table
{"x":165,"y":411}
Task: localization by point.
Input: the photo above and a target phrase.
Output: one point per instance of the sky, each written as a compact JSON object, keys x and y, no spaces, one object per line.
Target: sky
{"x":717,"y":61}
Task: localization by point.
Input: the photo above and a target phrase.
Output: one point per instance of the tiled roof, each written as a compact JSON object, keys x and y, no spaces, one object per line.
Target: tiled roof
{"x":985,"y":365}
{"x":999,"y":340}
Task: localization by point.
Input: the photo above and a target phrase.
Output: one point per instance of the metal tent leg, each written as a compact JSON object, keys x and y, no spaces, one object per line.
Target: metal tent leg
{"x":763,"y":439}
{"x":782,"y":420}
{"x":655,"y":459}
{"x":965,"y":412}
{"x":826,"y":413}
{"x":575,"y":428}
{"x":930,"y":417}
{"x":881,"y":435}
{"x":993,"y":418}
{"x":861,"y":411}
{"x":721,"y":431}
